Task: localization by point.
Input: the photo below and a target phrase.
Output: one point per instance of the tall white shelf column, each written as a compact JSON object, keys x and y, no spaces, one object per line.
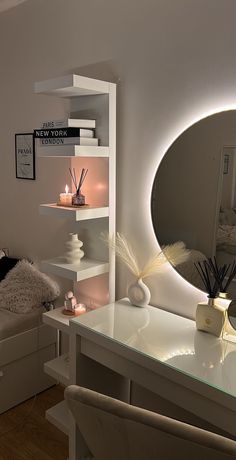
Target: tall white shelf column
{"x":79,"y":90}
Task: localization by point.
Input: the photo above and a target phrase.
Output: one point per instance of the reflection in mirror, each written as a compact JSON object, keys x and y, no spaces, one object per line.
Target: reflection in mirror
{"x":232,"y":313}
{"x":194,"y":194}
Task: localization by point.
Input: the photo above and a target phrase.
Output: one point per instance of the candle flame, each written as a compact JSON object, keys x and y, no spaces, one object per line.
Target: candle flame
{"x":66,"y":188}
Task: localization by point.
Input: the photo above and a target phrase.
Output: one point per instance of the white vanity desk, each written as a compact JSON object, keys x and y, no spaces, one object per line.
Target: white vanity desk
{"x":160,"y":351}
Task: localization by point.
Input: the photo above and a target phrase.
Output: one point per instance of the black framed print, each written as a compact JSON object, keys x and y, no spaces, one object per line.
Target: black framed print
{"x":25,"y":156}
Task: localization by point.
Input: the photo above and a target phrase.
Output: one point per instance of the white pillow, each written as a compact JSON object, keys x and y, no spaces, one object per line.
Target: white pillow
{"x":25,"y":288}
{"x":2,"y":254}
{"x":227,"y":217}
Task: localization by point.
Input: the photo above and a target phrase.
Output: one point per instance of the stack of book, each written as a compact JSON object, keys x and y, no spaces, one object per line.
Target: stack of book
{"x":70,"y":131}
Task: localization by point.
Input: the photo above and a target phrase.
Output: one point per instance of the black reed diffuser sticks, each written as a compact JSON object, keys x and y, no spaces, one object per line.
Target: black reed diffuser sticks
{"x":210,"y":283}
{"x":73,"y":177}
{"x":78,"y":199}
{"x":82,"y":178}
{"x":219,"y":272}
{"x":216,"y":278}
{"x":228,"y":278}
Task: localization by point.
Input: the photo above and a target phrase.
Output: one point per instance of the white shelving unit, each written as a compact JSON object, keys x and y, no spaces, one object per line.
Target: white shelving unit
{"x":55,"y":318}
{"x":73,"y":151}
{"x":85,"y":93}
{"x":58,"y":368}
{"x":86,"y":269}
{"x":74,"y":214}
{"x":59,"y":416}
{"x":73,"y":86}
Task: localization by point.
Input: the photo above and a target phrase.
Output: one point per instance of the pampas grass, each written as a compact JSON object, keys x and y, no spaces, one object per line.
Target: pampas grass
{"x":174,"y":253}
{"x":120,"y":245}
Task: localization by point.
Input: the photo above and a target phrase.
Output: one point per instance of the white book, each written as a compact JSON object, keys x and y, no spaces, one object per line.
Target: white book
{"x":63,"y":132}
{"x":47,"y":141}
{"x":68,"y":123}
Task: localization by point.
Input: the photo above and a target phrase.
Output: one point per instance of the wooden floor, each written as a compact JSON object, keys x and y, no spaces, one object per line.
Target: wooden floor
{"x":26,"y":435}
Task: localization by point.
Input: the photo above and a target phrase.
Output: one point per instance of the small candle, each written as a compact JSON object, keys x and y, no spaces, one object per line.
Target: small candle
{"x":80,"y":308}
{"x":66,"y":198}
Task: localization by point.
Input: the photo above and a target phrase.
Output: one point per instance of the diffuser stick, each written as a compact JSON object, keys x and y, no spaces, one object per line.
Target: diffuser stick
{"x":212,"y":289}
{"x":82,"y":177}
{"x":219,"y":272}
{"x":79,"y":186}
{"x":73,"y":179}
{"x":202,"y":275}
{"x":204,"y":270}
{"x":231,"y":277}
{"x":85,"y":174}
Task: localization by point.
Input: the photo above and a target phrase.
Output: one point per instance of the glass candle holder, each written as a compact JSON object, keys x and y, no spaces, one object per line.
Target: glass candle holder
{"x":65,"y":199}
{"x":78,"y":199}
{"x":80,"y":309}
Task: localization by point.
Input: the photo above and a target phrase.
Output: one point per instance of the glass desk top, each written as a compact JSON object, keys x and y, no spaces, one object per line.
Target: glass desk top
{"x":167,"y":338}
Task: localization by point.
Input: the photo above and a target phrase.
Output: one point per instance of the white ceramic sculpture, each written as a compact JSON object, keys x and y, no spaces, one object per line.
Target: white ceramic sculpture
{"x":74,"y":254}
{"x":139,"y":294}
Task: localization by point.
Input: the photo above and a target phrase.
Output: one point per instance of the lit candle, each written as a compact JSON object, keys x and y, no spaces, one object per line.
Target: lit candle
{"x":66,"y":198}
{"x":80,"y":308}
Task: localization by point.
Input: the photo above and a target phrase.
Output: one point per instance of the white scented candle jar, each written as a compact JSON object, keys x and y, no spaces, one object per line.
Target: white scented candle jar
{"x":80,"y":309}
{"x":66,"y":198}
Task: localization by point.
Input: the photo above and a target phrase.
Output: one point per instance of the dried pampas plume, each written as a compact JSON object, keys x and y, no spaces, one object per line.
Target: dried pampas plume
{"x":174,"y":253}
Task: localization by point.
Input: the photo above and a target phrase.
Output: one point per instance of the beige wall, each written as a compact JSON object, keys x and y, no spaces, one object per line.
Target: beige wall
{"x":174,"y":61}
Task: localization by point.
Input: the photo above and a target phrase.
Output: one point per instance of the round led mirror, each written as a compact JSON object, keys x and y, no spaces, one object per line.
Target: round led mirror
{"x":194,"y":194}
{"x":231,"y":312}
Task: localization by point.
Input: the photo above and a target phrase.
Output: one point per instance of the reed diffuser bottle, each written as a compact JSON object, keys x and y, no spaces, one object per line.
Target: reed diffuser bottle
{"x":210,"y":316}
{"x":78,"y":199}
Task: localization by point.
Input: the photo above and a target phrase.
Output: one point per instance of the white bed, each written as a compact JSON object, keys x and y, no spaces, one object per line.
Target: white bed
{"x":12,"y":324}
{"x":226,"y":237}
{"x":25,"y":344}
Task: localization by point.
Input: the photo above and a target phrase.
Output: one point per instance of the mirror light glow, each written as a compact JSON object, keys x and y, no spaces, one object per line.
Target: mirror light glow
{"x":184,"y":286}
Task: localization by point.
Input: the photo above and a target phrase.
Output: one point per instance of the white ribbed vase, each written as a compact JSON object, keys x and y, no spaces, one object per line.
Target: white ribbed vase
{"x":74,"y":254}
{"x":138,"y":293}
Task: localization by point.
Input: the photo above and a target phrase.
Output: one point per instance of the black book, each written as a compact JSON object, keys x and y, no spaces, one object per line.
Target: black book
{"x":63,"y":132}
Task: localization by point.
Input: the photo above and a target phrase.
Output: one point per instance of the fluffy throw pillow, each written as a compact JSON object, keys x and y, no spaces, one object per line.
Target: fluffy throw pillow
{"x":26,"y":288}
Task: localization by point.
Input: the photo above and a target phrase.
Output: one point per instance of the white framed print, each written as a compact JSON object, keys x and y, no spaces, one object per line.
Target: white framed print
{"x":25,"y":156}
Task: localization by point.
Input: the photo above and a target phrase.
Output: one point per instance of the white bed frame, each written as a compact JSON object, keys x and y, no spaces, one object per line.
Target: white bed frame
{"x":21,"y":365}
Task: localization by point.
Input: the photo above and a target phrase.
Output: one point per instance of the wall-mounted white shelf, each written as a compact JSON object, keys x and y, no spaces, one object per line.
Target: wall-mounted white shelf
{"x":86,"y":269}
{"x":65,"y":151}
{"x":75,"y":214}
{"x":58,"y":368}
{"x":59,"y":416}
{"x":55,"y":318}
{"x":72,"y":86}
